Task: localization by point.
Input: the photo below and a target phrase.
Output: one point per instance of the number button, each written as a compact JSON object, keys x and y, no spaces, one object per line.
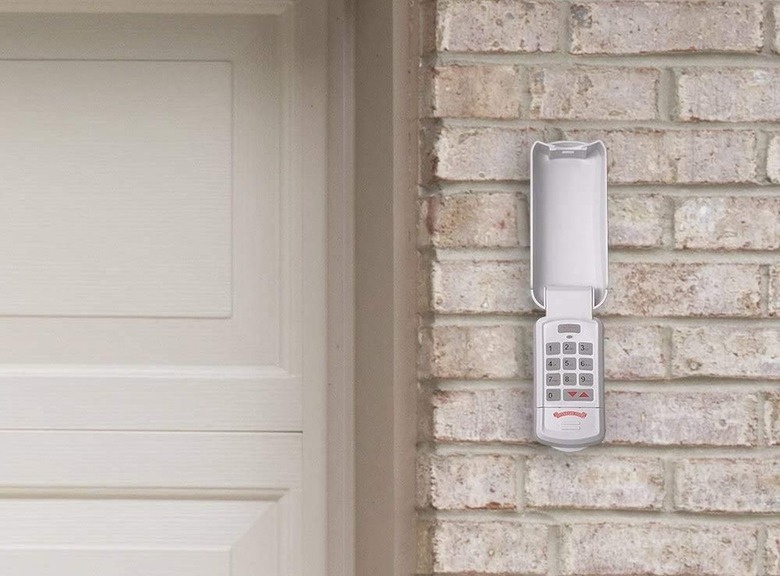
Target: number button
{"x":553,"y":395}
{"x":553,"y":379}
{"x":553,"y":348}
{"x":586,"y":348}
{"x":586,"y":363}
{"x":569,"y":364}
{"x":553,"y":364}
{"x":569,"y":347}
{"x":586,"y":379}
{"x":569,"y":379}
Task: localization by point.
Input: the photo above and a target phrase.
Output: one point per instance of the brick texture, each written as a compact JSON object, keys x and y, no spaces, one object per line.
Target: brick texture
{"x":497,"y":26}
{"x":493,"y":415}
{"x":468,"y":482}
{"x":695,"y":418}
{"x":773,"y":550}
{"x":469,"y":352}
{"x":484,"y":153}
{"x":726,"y":352}
{"x":599,"y":482}
{"x":594,"y":93}
{"x":735,"y":223}
{"x":634,"y":352}
{"x":773,"y":160}
{"x":478,"y":286}
{"x":677,"y":156}
{"x":656,"y":548}
{"x":490,"y":548}
{"x":776,"y":17}
{"x":639,"y":289}
{"x":637,"y":221}
{"x":686,"y":96}
{"x":729,"y":95}
{"x":635,"y":418}
{"x":647,"y":27}
{"x":474,"y":221}
{"x":772,"y":419}
{"x":476,"y":91}
{"x":727,"y":485}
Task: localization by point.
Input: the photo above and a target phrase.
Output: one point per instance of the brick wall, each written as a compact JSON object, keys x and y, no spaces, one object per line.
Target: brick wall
{"x":686,"y":96}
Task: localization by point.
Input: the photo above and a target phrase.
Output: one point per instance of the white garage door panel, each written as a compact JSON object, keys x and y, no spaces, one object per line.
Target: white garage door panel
{"x":150,"y":460}
{"x":200,"y":400}
{"x":146,"y":537}
{"x":160,"y":320}
{"x":148,"y":213}
{"x":116,"y":219}
{"x":39,"y":561}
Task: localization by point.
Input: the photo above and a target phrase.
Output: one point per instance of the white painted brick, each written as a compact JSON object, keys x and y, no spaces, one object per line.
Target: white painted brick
{"x":676,"y":156}
{"x":702,"y":418}
{"x":474,"y":220}
{"x":637,"y":221}
{"x":476,"y":286}
{"x":657,"y":548}
{"x":683,"y":289}
{"x":646,"y":27}
{"x":484,"y":153}
{"x":594,"y":482}
{"x":773,"y":159}
{"x":587,"y":93}
{"x":494,"y":415}
{"x":634,"y":352}
{"x":727,"y":485}
{"x":479,"y":91}
{"x":727,"y":352}
{"x":497,"y":547}
{"x":469,"y":352}
{"x":729,"y":94}
{"x":735,"y":223}
{"x":497,"y":26}
{"x":468,"y":482}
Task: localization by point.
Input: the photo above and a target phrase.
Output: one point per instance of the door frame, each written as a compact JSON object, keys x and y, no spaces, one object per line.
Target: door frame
{"x":373,"y":174}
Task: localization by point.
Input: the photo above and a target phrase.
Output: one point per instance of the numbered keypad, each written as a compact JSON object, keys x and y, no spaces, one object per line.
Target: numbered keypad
{"x":569,"y":364}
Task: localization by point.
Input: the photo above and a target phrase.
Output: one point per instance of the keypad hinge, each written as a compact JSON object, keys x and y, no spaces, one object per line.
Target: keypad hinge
{"x":575,"y":302}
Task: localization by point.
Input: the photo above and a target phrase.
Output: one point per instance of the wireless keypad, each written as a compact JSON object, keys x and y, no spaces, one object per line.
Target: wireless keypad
{"x":569,"y":250}
{"x":570,"y":402}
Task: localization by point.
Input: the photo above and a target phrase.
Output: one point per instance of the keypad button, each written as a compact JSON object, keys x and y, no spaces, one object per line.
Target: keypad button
{"x":553,"y":379}
{"x":569,"y":364}
{"x":586,"y":348}
{"x":569,"y":379}
{"x":563,"y":328}
{"x":586,"y":379}
{"x":553,"y":348}
{"x":553,"y":395}
{"x":586,"y":363}
{"x":584,"y":396}
{"x":569,"y":347}
{"x":553,"y":364}
{"x":578,"y":395}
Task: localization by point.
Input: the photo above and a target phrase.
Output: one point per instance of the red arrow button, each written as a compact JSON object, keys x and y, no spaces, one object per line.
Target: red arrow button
{"x":584,"y":395}
{"x":572,"y":393}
